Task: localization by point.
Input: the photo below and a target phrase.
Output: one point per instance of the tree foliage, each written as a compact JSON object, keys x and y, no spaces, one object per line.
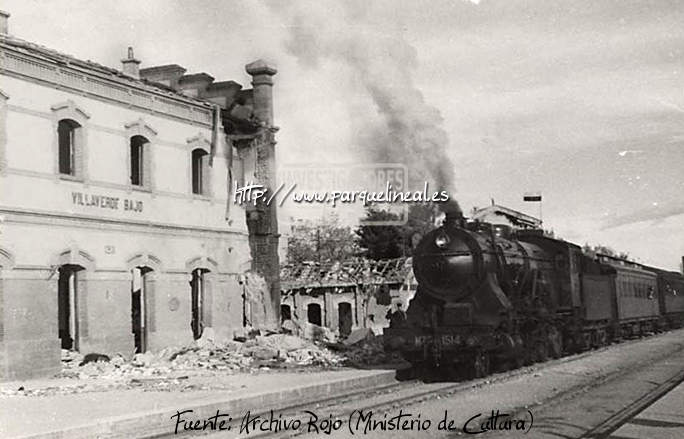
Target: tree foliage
{"x":393,"y":241}
{"x":599,"y":249}
{"x":378,"y":241}
{"x":323,"y":241}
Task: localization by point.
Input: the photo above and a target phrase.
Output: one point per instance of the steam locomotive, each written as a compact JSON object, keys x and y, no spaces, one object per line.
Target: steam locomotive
{"x":490,"y":296}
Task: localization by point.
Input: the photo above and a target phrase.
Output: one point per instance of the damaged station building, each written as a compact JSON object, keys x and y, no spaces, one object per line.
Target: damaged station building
{"x":339,"y":298}
{"x":117,"y":229}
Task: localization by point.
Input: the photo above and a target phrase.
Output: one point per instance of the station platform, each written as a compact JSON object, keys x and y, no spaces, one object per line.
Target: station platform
{"x":140,"y":412}
{"x":664,"y":419}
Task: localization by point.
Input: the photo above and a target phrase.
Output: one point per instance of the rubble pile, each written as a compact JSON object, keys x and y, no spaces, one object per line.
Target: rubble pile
{"x":362,"y":348}
{"x":182,"y":368}
{"x":260,"y":352}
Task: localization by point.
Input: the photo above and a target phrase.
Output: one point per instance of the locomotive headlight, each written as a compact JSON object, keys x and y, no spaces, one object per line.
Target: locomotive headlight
{"x":442,"y":240}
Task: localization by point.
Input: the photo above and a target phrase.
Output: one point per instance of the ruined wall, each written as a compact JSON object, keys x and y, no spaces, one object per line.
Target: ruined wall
{"x":262,"y":221}
{"x":329,"y":302}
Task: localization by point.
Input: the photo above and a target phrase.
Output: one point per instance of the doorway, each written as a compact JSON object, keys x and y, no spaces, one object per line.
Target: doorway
{"x":197,"y":298}
{"x":285,"y":313}
{"x":140,"y":277}
{"x":67,"y":306}
{"x":344,"y":318}
{"x":313,"y":311}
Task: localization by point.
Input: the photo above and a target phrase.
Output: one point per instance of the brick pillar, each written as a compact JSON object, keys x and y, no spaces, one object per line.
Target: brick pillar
{"x":131,"y":65}
{"x":262,"y":83}
{"x":4,"y":22}
{"x":262,"y":222}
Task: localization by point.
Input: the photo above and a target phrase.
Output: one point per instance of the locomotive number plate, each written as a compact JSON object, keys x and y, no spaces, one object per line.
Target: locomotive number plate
{"x":444,"y":340}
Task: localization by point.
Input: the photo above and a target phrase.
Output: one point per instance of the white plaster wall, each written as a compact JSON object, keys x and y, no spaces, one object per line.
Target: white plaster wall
{"x":30,"y":182}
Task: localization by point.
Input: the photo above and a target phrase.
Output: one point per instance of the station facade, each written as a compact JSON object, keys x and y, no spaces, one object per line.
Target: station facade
{"x":116,"y":235}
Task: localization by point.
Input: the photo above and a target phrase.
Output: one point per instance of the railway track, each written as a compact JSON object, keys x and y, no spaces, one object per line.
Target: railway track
{"x":622,"y":395}
{"x":408,"y":393}
{"x":618,"y":419}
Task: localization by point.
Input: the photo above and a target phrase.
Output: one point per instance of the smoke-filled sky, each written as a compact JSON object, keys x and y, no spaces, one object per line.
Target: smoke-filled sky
{"x":582,"y":100}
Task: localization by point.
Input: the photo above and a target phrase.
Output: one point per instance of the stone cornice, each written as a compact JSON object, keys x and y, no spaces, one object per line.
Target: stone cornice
{"x":54,"y":219}
{"x":126,"y":93}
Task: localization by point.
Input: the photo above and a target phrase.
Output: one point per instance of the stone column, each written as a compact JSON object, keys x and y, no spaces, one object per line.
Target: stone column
{"x":262,"y":222}
{"x":262,"y":83}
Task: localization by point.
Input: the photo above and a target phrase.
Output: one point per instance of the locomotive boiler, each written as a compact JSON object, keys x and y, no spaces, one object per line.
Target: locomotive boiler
{"x":491,"y":296}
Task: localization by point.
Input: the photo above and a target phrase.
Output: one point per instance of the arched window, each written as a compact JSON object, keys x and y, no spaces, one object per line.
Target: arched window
{"x":199,"y":171}
{"x":138,"y":157}
{"x":67,"y":131}
{"x":141,"y":139}
{"x":71,"y":125}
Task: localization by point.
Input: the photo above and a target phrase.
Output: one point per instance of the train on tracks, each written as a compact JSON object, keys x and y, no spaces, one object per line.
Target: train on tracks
{"x":490,"y":296}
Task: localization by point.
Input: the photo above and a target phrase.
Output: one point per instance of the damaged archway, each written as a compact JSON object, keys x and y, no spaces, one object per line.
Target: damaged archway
{"x":201,"y":271}
{"x":71,"y":268}
{"x":143,"y":269}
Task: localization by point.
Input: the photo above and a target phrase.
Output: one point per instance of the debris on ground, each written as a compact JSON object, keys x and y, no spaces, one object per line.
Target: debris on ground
{"x":90,"y":358}
{"x":358,"y":336}
{"x":275,"y":351}
{"x":171,"y":367}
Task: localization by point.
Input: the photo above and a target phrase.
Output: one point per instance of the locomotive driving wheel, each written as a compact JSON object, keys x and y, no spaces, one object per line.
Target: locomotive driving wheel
{"x":541,"y":352}
{"x":555,"y":342}
{"x":480,"y":364}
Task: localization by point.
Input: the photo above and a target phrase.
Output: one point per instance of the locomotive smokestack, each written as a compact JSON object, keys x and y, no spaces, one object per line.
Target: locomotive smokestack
{"x":453,"y":212}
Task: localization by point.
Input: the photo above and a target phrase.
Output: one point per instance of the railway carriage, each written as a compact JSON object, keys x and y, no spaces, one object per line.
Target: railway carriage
{"x":638,"y":310}
{"x":670,"y":296}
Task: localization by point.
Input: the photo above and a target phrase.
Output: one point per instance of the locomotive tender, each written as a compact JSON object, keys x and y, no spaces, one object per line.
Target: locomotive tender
{"x":487,"y":294}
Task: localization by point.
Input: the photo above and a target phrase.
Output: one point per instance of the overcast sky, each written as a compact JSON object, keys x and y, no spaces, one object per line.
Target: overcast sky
{"x":581,"y":100}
